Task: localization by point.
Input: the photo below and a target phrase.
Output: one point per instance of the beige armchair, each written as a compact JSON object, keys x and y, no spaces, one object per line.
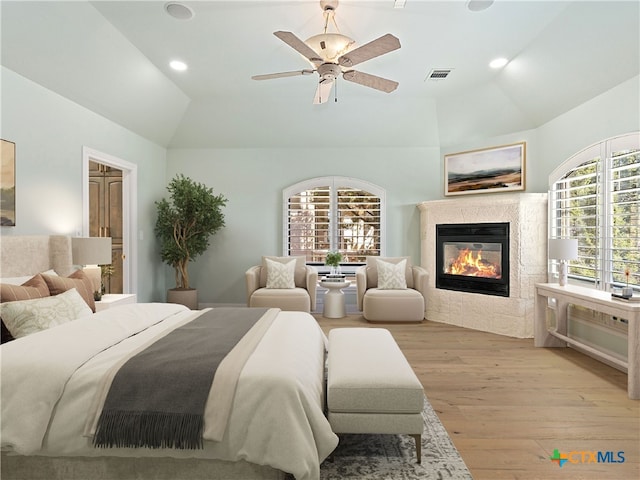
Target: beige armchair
{"x":391,"y":302}
{"x":298,"y":295}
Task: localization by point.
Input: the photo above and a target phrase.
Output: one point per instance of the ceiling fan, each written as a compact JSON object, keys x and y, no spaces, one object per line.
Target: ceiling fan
{"x":332,"y":54}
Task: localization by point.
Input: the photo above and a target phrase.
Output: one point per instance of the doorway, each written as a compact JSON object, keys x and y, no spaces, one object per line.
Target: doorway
{"x":105,"y":218}
{"x":110,"y":210}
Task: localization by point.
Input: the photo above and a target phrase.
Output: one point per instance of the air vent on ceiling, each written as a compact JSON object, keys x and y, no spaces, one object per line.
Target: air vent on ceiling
{"x":439,"y":73}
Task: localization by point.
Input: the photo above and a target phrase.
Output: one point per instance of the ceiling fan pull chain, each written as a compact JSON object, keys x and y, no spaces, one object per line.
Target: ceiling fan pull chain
{"x":335,"y":92}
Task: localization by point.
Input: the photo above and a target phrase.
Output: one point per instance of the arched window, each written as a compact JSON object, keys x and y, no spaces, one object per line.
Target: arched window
{"x":334,"y":214}
{"x":595,"y":197}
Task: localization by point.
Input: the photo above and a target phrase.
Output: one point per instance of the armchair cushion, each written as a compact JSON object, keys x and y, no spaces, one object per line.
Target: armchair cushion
{"x":280,"y":275}
{"x":391,"y":276}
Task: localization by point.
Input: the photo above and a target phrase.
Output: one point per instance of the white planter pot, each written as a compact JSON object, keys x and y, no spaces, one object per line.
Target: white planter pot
{"x":184,"y":296}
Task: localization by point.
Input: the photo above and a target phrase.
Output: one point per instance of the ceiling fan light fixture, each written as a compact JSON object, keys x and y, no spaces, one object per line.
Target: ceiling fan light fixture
{"x":330,"y":46}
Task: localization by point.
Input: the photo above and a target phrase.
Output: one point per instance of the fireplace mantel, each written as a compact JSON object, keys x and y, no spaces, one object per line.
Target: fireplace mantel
{"x":527,"y":216}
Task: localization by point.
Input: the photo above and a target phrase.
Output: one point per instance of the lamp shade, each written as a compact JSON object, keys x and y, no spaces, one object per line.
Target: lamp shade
{"x":563,"y":248}
{"x":91,"y":250}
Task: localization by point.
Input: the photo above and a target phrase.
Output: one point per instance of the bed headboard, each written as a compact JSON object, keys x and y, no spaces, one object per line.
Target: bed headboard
{"x":22,"y":255}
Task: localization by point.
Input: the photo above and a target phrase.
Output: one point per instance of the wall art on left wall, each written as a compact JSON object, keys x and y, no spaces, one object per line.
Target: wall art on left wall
{"x":7,"y":184}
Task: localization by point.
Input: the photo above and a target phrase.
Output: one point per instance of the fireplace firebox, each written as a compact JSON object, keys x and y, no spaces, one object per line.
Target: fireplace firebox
{"x":473,"y":257}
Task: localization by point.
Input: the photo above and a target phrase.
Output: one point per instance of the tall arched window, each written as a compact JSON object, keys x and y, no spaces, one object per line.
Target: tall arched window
{"x":334,"y":214}
{"x":595,"y":197}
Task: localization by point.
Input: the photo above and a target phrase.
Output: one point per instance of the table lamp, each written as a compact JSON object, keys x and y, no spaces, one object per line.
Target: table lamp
{"x":91,"y":252}
{"x":563,"y":249}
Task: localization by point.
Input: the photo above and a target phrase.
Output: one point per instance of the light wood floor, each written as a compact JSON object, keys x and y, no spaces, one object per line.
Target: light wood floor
{"x":507,"y":405}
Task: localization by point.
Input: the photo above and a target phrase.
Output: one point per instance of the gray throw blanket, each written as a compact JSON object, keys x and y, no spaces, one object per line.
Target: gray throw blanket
{"x":157,"y":398}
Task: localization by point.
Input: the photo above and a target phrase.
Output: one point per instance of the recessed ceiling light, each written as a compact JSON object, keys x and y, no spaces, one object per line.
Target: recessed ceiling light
{"x":178,"y":65}
{"x":479,"y":5}
{"x":498,"y":62}
{"x":178,"y":10}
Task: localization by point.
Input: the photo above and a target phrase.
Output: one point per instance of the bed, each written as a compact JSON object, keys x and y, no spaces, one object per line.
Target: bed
{"x":276,"y":424}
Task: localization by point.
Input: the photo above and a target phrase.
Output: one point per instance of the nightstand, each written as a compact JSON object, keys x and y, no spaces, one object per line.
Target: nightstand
{"x":110,"y":300}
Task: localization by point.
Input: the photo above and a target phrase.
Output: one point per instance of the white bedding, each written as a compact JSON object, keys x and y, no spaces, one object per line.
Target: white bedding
{"x":49,"y":381}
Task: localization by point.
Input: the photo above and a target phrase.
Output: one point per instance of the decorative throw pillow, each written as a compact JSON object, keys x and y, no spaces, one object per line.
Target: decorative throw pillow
{"x":280,"y":275}
{"x":391,"y":276}
{"x":29,"y":316}
{"x":35,"y":287}
{"x":23,"y":279}
{"x":77,"y":280}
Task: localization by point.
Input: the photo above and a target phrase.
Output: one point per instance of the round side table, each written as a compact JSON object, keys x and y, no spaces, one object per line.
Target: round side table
{"x":334,"y":304}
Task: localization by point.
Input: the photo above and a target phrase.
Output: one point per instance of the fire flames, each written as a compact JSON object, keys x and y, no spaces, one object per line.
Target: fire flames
{"x":471,"y":264}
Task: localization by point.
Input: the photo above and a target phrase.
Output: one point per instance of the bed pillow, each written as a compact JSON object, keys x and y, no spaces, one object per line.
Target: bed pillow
{"x":391,"y":276}
{"x":23,"y":279}
{"x":29,"y":316}
{"x":280,"y":275}
{"x":35,"y":287}
{"x":77,"y":280}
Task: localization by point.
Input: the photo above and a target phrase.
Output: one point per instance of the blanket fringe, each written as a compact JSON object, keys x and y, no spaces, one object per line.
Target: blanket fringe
{"x":149,"y":429}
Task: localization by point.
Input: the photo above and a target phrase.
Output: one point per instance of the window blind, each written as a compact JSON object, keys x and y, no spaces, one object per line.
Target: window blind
{"x":597,"y":201}
{"x":334,"y":217}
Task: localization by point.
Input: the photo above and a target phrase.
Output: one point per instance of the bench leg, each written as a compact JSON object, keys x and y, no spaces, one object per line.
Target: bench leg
{"x":418,"y":439}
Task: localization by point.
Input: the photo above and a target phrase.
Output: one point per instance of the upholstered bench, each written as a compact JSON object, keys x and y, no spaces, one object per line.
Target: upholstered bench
{"x":371,"y":388}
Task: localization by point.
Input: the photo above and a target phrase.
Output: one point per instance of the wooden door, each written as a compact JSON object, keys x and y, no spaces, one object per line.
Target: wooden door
{"x":105,"y":216}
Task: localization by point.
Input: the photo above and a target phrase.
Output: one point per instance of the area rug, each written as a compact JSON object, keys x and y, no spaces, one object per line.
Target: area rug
{"x":391,"y":457}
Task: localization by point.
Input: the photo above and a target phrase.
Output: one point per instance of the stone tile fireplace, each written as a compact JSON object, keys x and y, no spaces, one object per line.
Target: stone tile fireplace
{"x":512,"y":263}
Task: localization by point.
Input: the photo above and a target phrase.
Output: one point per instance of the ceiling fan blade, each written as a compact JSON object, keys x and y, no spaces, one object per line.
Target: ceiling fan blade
{"x":385,"y":44}
{"x":299,"y":46}
{"x":269,"y":76}
{"x":323,"y":91}
{"x":371,"y":81}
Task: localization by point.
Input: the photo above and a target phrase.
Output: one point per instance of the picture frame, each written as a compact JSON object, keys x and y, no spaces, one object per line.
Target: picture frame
{"x":7,"y":183}
{"x":487,"y":170}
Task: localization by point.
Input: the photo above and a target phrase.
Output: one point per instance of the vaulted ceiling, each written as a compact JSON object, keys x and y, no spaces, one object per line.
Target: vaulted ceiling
{"x":113,"y":57}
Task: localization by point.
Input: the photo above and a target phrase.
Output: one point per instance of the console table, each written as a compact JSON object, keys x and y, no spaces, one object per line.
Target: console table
{"x":595,"y":300}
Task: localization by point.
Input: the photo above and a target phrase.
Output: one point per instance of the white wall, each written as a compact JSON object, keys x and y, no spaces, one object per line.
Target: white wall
{"x":253,"y":180}
{"x":49,"y":132}
{"x":612,"y":113}
{"x":615,"y":112}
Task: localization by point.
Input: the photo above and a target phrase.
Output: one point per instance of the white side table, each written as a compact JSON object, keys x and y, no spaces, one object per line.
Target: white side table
{"x":110,"y":300}
{"x":334,"y":304}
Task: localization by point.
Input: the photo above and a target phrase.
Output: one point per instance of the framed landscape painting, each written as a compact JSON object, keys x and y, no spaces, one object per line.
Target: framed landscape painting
{"x":489,"y":170}
{"x":7,"y":183}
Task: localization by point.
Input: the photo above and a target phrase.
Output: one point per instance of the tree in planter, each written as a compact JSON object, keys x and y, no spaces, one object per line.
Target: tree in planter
{"x":186,"y":222}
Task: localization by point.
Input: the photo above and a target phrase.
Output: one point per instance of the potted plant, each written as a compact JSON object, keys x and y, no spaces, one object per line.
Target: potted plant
{"x":333,"y":259}
{"x":184,"y":224}
{"x":106,"y":271}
